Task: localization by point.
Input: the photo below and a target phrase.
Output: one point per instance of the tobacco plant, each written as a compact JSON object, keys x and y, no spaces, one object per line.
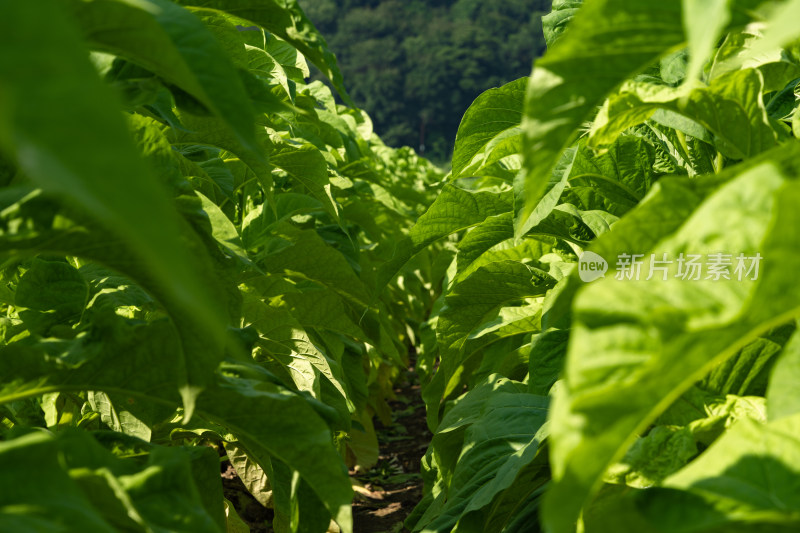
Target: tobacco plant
{"x":615,"y":348}
{"x":190,"y":237}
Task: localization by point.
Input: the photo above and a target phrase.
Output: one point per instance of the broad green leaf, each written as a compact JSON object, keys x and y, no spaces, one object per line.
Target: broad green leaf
{"x":285,"y":19}
{"x":555,"y":22}
{"x":50,"y":501}
{"x":323,"y":309}
{"x":614,"y":181}
{"x":233,"y":522}
{"x":283,"y":335}
{"x":554,"y":192}
{"x":703,"y":24}
{"x":663,"y":451}
{"x":364,"y":444}
{"x":782,"y":399}
{"x":707,"y":415}
{"x":746,"y":373}
{"x":530,"y":249}
{"x":796,"y":123}
{"x":548,"y":352}
{"x":779,"y":30}
{"x":174,"y":44}
{"x":778,"y":66}
{"x":454,"y":210}
{"x":731,"y":108}
{"x":116,"y":417}
{"x":303,"y":254}
{"x":211,"y":131}
{"x":244,"y":398}
{"x":491,"y":114}
{"x":308,"y":167}
{"x":175,"y":489}
{"x":570,"y":80}
{"x":51,"y":293}
{"x":646,"y":352}
{"x":62,"y":410}
{"x":49,"y":140}
{"x":502,"y":441}
{"x":481,"y":238}
{"x":256,"y":224}
{"x":746,"y":481}
{"x":448,"y":440}
{"x":223,"y":230}
{"x":251,"y":474}
{"x":470,"y":304}
{"x":666,"y":207}
{"x":110,"y":289}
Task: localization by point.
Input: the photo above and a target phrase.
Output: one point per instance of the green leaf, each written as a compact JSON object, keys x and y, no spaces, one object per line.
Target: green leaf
{"x":211,"y":131}
{"x":223,"y":230}
{"x":453,"y":210}
{"x":613,"y":181}
{"x":746,"y":373}
{"x":746,"y":481}
{"x":251,"y":474}
{"x":234,"y":523}
{"x":175,"y":45}
{"x":782,"y":399}
{"x":244,"y":398}
{"x":307,"y":165}
{"x":503,"y":440}
{"x":50,"y":501}
{"x":667,"y":334}
{"x":548,"y":352}
{"x":570,"y":80}
{"x":779,"y":30}
{"x":663,"y":451}
{"x":491,"y":114}
{"x":555,"y":22}
{"x":52,"y":293}
{"x":285,"y":19}
{"x":157,"y":488}
{"x":303,"y":254}
{"x":731,"y":108}
{"x":703,"y":23}
{"x":667,"y":206}
{"x":283,"y":335}
{"x":116,"y":417}
{"x":48,"y":67}
{"x":470,"y":304}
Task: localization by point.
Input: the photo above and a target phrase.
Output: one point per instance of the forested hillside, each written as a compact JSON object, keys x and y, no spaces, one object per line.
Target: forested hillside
{"x":414,"y":66}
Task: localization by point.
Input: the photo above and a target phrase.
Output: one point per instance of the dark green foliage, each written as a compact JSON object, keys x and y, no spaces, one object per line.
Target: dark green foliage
{"x":415,"y":66}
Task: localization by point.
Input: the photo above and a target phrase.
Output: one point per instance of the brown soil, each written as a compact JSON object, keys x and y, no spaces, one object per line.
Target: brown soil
{"x":387,"y":493}
{"x":394,"y":484}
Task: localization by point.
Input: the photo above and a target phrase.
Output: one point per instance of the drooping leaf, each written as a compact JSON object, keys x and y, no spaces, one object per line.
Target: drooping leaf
{"x":114,"y":188}
{"x":238,"y":388}
{"x":285,"y":19}
{"x":174,"y":44}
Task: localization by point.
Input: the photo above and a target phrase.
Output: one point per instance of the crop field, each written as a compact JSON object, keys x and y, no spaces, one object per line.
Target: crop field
{"x":209,"y":261}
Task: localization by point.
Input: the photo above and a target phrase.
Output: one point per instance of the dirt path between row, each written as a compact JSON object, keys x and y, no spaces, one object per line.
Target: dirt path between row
{"x":389,"y":491}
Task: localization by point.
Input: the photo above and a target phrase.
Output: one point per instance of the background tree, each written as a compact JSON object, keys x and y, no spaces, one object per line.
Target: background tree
{"x":416,"y":65}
